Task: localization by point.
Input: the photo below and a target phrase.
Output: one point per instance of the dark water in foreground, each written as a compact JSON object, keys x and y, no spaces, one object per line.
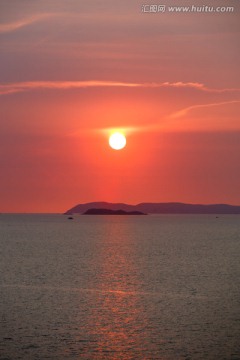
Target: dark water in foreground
{"x":119,"y":287}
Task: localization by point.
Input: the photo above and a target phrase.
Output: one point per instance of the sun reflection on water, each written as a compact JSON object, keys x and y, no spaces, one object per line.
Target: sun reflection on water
{"x":119,"y":319}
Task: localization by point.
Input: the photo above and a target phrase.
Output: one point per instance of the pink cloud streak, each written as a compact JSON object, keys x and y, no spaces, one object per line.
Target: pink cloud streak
{"x":11,"y":88}
{"x":193,"y":107}
{"x":13,"y":26}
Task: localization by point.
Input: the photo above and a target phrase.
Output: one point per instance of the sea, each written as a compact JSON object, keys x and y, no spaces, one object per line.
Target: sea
{"x":119,"y":287}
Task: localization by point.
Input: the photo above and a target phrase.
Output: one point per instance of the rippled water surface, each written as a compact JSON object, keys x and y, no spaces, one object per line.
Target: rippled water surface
{"x":119,"y":287}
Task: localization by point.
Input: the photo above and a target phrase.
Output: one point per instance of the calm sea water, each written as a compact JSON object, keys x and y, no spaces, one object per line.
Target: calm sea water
{"x":119,"y":287}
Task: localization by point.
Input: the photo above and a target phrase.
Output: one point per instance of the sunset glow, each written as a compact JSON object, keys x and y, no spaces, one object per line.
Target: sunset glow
{"x":73,"y":73}
{"x":117,"y":141}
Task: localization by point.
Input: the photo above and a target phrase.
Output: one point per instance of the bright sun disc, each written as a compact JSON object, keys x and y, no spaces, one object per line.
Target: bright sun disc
{"x":117,"y":141}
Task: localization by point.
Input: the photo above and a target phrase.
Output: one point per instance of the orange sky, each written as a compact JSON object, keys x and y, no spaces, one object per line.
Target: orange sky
{"x":72,"y":70}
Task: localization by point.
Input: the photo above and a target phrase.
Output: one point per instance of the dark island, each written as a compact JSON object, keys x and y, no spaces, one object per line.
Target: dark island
{"x":157,"y":208}
{"x":111,"y":212}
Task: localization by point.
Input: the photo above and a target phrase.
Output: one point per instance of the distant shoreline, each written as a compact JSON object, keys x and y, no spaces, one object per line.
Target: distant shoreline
{"x":111,"y":212}
{"x":156,"y":208}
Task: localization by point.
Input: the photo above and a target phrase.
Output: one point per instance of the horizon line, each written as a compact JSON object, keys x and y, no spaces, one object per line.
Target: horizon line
{"x":123,"y":203}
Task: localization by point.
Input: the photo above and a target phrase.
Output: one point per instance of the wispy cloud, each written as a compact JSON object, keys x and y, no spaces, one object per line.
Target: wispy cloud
{"x":11,"y":88}
{"x":194,"y":107}
{"x":59,"y":85}
{"x":197,"y":86}
{"x":13,"y":26}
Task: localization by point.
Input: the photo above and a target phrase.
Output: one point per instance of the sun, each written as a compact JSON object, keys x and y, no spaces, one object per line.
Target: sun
{"x":117,"y":141}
